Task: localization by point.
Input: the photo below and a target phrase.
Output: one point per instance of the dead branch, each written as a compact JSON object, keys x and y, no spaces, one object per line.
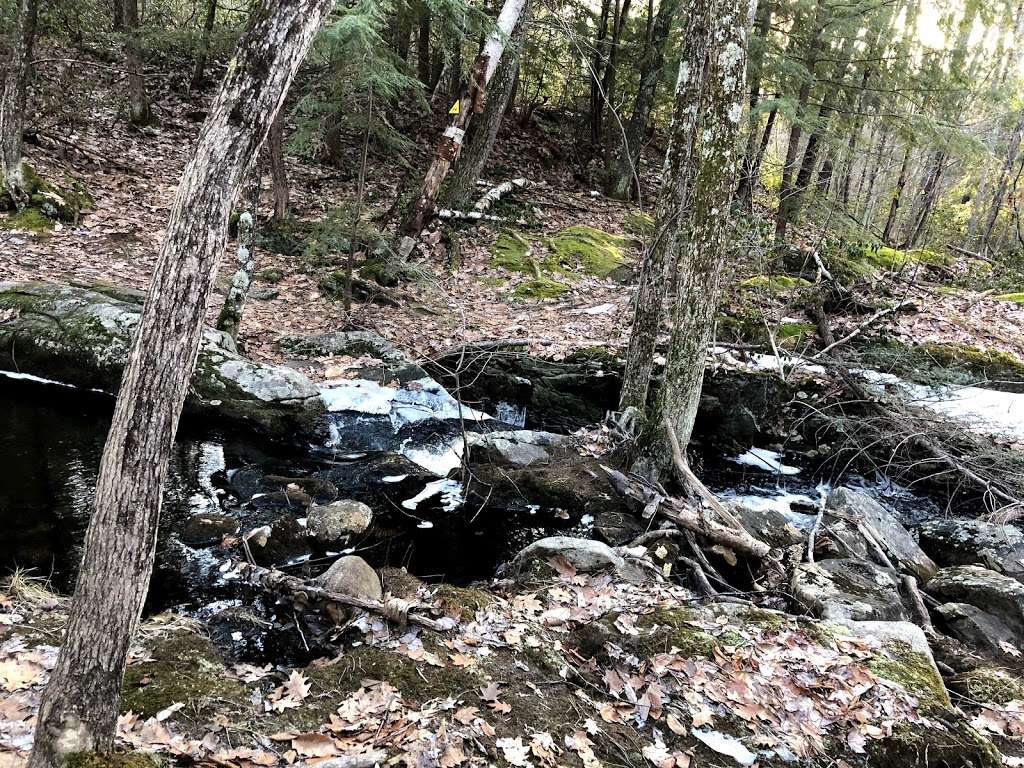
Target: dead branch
{"x":862,"y":327}
{"x":920,"y":616}
{"x":494,"y":194}
{"x":447,"y":214}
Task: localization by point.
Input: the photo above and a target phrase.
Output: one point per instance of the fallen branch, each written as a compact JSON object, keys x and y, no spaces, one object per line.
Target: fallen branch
{"x":316,"y":597}
{"x":690,"y":479}
{"x":920,"y":616}
{"x":494,"y":194}
{"x":447,"y":214}
{"x":862,"y":327}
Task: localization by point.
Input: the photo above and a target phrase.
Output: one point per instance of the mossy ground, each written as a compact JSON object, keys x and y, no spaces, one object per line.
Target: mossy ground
{"x":912,"y":670}
{"x":28,"y":220}
{"x":774,"y":284}
{"x":989,"y":685}
{"x":945,"y":363}
{"x":1016,"y":298}
{"x":638,"y":224}
{"x":114,"y":760}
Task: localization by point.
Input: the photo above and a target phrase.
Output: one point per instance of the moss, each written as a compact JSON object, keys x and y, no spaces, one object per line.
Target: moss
{"x":588,"y":250}
{"x":1016,"y":298}
{"x":272,"y":275}
{"x":951,"y":363}
{"x":989,"y":685}
{"x":912,"y":670}
{"x":384,"y":271}
{"x":639,"y":224}
{"x":493,"y":282}
{"x":186,"y":668}
{"x":114,"y":760}
{"x":511,"y":251}
{"x":463,"y":602}
{"x":931,"y":258}
{"x":672,"y":627}
{"x":947,"y":741}
{"x":28,"y":220}
{"x":540,"y":288}
{"x":773,"y":284}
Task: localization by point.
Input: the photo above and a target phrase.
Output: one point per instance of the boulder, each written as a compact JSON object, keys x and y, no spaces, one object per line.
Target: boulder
{"x":845,"y":508}
{"x":81,"y":337}
{"x":282,"y":541}
{"x":205,"y":528}
{"x":585,"y":555}
{"x":352,"y":576}
{"x":394,"y":363}
{"x":994,"y":593}
{"x":975,"y":628}
{"x":768,"y":524}
{"x":319,"y":490}
{"x":975,"y":542}
{"x":519,"y":448}
{"x":294,"y":499}
{"x":849,"y":590}
{"x":335,"y":522}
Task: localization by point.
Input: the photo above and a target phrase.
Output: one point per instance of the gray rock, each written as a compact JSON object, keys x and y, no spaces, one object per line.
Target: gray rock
{"x":996,"y":594}
{"x":81,"y":337}
{"x":847,"y":589}
{"x":585,"y":555}
{"x":519,"y":448}
{"x":264,"y":294}
{"x":975,"y":542}
{"x":769,"y":525}
{"x":335,"y":522}
{"x":282,"y":541}
{"x":346,"y":343}
{"x":846,"y":507}
{"x":354,"y":577}
{"x":204,"y":528}
{"x":975,"y":628}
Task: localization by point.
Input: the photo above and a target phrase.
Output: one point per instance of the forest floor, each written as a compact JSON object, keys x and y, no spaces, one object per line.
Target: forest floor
{"x":132,"y":176}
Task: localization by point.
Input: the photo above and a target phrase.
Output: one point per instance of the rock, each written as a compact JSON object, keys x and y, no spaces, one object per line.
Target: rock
{"x":849,"y":590}
{"x":291,"y":498}
{"x":768,"y":524}
{"x":395,"y":364}
{"x":989,"y":684}
{"x":282,"y":541}
{"x":585,"y":555}
{"x":264,"y":294}
{"x":81,"y":337}
{"x":618,"y":526}
{"x":846,"y":507}
{"x":975,"y":542}
{"x":519,"y":448}
{"x":205,"y":528}
{"x":352,"y":576}
{"x":333,"y":523}
{"x":994,"y":593}
{"x":975,"y":628}
{"x":318,"y":489}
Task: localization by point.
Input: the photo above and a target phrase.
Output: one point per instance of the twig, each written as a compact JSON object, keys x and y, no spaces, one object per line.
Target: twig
{"x":814,"y":528}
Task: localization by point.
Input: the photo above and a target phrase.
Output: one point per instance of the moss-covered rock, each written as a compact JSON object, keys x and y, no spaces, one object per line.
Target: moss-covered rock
{"x":540,"y":288}
{"x":945,"y":363}
{"x":989,"y":685}
{"x":639,"y":224}
{"x":774,"y":284}
{"x":511,"y":251}
{"x":64,"y":200}
{"x":27,"y":220}
{"x":114,"y":760}
{"x":272,"y":275}
{"x":588,"y":250}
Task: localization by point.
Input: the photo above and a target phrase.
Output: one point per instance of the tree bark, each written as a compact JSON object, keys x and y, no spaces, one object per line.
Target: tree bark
{"x":278,"y":170}
{"x":609,"y":78}
{"x":622,"y":163}
{"x":745,"y":190}
{"x":139,"y":111}
{"x":230,"y":318}
{"x":596,"y":65}
{"x":929,"y":194}
{"x":13,"y":102}
{"x":199,"y":72}
{"x":470,"y":103}
{"x":897,"y":194}
{"x":673,"y":201}
{"x":999,"y":195}
{"x":80,"y":705}
{"x":700,"y":263}
{"x":423,"y":69}
{"x":469,"y":166}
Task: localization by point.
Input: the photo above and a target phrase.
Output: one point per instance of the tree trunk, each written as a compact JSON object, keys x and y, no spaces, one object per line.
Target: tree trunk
{"x":13,"y":102}
{"x":139,"y":111}
{"x":278,"y":170}
{"x":423,"y":68}
{"x":897,"y":194}
{"x":999,"y":195}
{"x":868,"y":214}
{"x":470,"y":103}
{"x":81,"y":702}
{"x":199,"y":73}
{"x":230,"y":317}
{"x":929,"y":194}
{"x":596,"y":65}
{"x":622,"y":164}
{"x":608,"y":79}
{"x":762,"y":149}
{"x":673,"y":201}
{"x":465,"y":172}
{"x":700,"y":261}
{"x":745,"y":190}
{"x":784,"y":214}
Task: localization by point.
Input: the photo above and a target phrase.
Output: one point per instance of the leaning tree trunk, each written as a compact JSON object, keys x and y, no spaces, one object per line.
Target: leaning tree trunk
{"x":929,"y":194}
{"x":139,"y":111}
{"x":700,"y":263}
{"x":673,"y":201}
{"x":999,"y":195}
{"x":278,"y":170}
{"x":80,"y":705}
{"x":461,"y":182}
{"x":13,"y":101}
{"x":470,"y":103}
{"x":199,"y":71}
{"x":623,"y":163}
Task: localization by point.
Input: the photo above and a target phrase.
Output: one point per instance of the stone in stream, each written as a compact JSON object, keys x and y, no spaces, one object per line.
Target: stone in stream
{"x":994,"y":593}
{"x":975,"y":628}
{"x":845,"y":508}
{"x":282,"y":541}
{"x":321,"y":491}
{"x":333,"y":523}
{"x":585,"y":555}
{"x":294,"y":499}
{"x":519,"y":448}
{"x":975,"y":542}
{"x":847,"y":589}
{"x":206,"y":528}
{"x":352,"y":576}
{"x":769,"y":524}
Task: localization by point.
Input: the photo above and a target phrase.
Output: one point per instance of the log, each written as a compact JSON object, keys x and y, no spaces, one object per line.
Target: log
{"x":394,"y":610}
{"x":497,"y":192}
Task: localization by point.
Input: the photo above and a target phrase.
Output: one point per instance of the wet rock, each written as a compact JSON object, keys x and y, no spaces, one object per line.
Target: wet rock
{"x":845,"y":508}
{"x":205,"y":528}
{"x":768,"y":524}
{"x":585,"y":555}
{"x":975,"y":542}
{"x":321,"y":491}
{"x":994,"y":593}
{"x":239,"y":631}
{"x":245,"y":482}
{"x":81,"y":337}
{"x":618,"y":527}
{"x":400,"y":583}
{"x":333,"y":523}
{"x":848,"y":589}
{"x":975,"y":628}
{"x":382,"y":480}
{"x":282,"y":541}
{"x":519,"y":448}
{"x":291,"y":498}
{"x":354,"y":577}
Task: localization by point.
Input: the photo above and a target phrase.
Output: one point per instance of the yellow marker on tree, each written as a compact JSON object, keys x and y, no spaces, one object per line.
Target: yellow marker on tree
{"x":455,"y":107}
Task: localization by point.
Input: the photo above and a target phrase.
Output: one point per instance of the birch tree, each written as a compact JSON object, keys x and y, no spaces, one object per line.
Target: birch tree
{"x":79,"y":707}
{"x":13,"y":100}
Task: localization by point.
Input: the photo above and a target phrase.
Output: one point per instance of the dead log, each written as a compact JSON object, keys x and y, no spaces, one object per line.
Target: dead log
{"x":398,"y":611}
{"x":494,"y":194}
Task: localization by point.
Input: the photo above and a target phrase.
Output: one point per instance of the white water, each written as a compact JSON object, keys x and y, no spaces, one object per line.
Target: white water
{"x":766,"y":460}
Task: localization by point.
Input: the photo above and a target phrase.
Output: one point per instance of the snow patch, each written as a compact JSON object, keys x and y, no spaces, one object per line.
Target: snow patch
{"x":450,"y":491}
{"x":764,"y":459}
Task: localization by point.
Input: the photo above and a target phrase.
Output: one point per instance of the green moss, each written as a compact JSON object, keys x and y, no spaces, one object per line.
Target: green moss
{"x":1016,"y":298}
{"x":931,"y":258}
{"x":773,"y":284}
{"x":28,"y":219}
{"x":114,"y":760}
{"x":540,"y":288}
{"x":946,"y":363}
{"x":639,"y":224}
{"x":185,"y":668}
{"x":912,"y":670}
{"x":511,"y":251}
{"x":462,"y":601}
{"x":669,"y":628}
{"x":588,"y":250}
{"x":384,"y":271}
{"x":272,"y":275}
{"x":989,"y":685}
